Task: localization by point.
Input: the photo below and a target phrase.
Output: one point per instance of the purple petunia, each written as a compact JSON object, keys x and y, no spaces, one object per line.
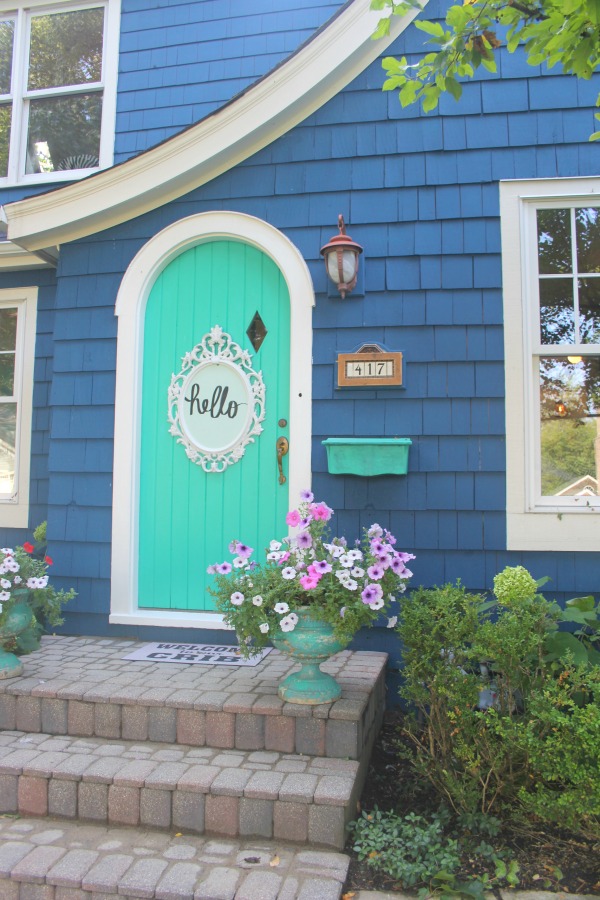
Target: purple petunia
{"x":303,"y":540}
{"x":371,"y":594}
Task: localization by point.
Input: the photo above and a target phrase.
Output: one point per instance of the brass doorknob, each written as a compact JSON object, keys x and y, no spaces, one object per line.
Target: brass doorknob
{"x":282,"y":446}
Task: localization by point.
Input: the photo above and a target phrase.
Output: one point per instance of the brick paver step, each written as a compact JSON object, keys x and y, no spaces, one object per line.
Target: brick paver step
{"x":83,"y":686}
{"x":64,"y":860}
{"x":259,"y":793}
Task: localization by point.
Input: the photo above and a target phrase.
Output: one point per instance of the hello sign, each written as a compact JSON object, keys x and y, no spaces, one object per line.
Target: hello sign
{"x":216,"y":402}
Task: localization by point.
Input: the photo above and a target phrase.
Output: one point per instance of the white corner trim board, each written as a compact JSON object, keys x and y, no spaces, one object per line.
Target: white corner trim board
{"x":268,"y":109}
{"x":130,"y":308}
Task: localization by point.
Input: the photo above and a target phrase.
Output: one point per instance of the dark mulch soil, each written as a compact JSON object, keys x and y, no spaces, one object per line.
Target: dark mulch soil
{"x":549,"y":859}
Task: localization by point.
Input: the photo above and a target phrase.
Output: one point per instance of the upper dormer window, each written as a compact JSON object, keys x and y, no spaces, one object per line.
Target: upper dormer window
{"x":57,"y":90}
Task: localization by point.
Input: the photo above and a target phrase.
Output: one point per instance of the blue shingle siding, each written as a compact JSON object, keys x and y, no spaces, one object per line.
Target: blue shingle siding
{"x":180,"y":61}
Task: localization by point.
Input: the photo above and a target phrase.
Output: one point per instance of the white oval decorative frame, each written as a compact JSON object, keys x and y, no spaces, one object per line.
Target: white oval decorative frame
{"x":217,"y":348}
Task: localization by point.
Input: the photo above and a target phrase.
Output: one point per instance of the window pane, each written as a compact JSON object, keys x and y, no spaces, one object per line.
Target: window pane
{"x":588,"y":239}
{"x":66,"y":48}
{"x":569,"y":407}
{"x":589,"y":310}
{"x":8,"y":418}
{"x":64,"y":133}
{"x":8,"y":328}
{"x":554,"y":241}
{"x":5,"y":119}
{"x":557,"y":314}
{"x":7,"y":34}
{"x":7,"y":374}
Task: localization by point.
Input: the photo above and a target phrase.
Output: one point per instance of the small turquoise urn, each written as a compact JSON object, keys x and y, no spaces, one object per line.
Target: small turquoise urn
{"x":310,"y":643}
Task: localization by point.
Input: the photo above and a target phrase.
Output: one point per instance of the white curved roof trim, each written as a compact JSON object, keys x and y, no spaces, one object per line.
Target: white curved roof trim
{"x":294,"y":90}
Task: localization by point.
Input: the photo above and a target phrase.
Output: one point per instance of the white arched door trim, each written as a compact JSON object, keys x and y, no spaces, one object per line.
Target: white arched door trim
{"x":130,"y":309}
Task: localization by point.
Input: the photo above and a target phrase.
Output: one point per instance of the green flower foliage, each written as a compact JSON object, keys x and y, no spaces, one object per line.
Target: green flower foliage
{"x":554,"y":32}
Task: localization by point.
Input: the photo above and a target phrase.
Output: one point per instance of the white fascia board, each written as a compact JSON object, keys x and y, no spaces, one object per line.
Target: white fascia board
{"x":318,"y":71}
{"x":14,"y":258}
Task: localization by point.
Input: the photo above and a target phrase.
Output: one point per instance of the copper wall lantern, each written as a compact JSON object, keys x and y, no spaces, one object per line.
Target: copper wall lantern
{"x":341,"y":259}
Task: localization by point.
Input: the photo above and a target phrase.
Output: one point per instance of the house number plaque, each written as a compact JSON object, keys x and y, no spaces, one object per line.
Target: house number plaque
{"x":216,"y":402}
{"x":371,"y":366}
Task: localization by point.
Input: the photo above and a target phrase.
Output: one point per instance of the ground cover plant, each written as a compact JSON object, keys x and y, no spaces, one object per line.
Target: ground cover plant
{"x":502,"y":730}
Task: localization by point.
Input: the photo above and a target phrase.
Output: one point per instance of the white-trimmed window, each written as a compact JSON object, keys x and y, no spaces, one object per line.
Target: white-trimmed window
{"x":18,"y":311}
{"x":58,"y":74}
{"x":551,"y":284}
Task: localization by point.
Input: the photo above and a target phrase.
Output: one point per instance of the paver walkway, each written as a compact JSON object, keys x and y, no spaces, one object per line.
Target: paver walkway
{"x":50,"y":860}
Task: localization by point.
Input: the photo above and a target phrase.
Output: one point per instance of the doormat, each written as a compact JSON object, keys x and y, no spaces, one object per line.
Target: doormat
{"x":196,"y":654}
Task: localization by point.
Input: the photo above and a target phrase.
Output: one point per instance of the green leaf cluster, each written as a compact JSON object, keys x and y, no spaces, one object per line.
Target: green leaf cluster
{"x":486,"y":681}
{"x":425,"y":853}
{"x":554,"y":32}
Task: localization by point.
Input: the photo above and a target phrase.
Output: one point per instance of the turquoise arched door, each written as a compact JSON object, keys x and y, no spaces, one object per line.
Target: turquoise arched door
{"x":187,"y":516}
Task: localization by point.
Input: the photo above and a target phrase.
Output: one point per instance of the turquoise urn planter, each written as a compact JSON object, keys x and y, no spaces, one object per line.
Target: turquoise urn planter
{"x":310,"y":644}
{"x":17,"y":619}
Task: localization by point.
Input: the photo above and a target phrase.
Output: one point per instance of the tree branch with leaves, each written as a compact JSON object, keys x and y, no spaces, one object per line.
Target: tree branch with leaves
{"x":554,"y":32}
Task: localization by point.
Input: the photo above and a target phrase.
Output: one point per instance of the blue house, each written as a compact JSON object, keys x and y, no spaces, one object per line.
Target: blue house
{"x":169,"y":170}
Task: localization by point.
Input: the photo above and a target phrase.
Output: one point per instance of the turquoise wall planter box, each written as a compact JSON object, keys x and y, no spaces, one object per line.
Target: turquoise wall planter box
{"x":367,"y":456}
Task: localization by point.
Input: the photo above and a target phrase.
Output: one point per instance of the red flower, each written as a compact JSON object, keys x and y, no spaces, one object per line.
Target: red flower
{"x":48,"y":560}
{"x":28,"y":548}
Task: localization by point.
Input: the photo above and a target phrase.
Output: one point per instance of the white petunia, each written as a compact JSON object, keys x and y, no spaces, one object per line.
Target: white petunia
{"x":5,"y":583}
{"x":287,"y":624}
{"x":289,"y":572}
{"x":264,"y":627}
{"x":350,"y":584}
{"x":274,"y":556}
{"x":17,"y":579}
{"x":377,"y":604}
{"x":11,"y":565}
{"x":355,"y":554}
{"x":258,"y":600}
{"x":293,"y":618}
{"x":346,"y":560}
{"x":392,"y":622}
{"x":274,"y":545}
{"x":8,"y":551}
{"x":357,"y":572}
{"x":3,"y":569}
{"x":237,"y":598}
{"x":281,"y":607}
{"x":4,"y":595}
{"x":240,"y":562}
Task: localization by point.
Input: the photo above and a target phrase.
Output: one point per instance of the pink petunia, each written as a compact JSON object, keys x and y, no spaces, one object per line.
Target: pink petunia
{"x":308,"y":583}
{"x":321,"y":511}
{"x":293,"y":518}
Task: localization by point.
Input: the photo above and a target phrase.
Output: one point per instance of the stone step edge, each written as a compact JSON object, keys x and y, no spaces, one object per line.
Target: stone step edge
{"x":72,"y":862}
{"x":338,"y":730}
{"x":306,"y":799}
